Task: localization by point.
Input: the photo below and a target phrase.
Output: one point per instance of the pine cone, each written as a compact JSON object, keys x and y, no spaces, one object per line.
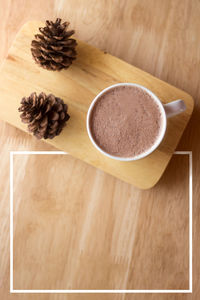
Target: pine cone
{"x":45,"y":115}
{"x":53,"y":49}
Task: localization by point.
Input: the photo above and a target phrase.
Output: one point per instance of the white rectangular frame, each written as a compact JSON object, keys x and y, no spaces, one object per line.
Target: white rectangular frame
{"x":12,"y":153}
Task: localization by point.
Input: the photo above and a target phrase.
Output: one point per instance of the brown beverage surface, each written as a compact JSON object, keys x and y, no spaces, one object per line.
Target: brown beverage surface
{"x":125,"y":121}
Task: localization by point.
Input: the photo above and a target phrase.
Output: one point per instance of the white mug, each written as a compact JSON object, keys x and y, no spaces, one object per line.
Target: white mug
{"x":167,"y":110}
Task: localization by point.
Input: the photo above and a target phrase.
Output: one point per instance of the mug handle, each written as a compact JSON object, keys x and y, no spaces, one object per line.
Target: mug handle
{"x":174,"y":108}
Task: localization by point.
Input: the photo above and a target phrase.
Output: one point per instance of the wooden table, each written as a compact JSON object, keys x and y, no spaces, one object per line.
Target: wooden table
{"x":76,"y":227}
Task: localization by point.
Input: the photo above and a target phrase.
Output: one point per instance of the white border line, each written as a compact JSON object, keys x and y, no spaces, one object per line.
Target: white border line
{"x":11,"y":221}
{"x":12,"y":153}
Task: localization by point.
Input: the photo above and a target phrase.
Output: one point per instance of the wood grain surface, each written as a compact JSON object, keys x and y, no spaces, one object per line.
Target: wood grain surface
{"x":75,"y":226}
{"x":92,"y":71}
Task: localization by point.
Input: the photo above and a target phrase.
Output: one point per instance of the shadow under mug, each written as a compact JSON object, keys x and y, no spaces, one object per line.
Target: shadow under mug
{"x":167,"y":110}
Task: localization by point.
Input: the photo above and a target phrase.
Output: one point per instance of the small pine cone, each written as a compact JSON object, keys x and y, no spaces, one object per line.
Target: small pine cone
{"x":53,"y":49}
{"x":45,"y":115}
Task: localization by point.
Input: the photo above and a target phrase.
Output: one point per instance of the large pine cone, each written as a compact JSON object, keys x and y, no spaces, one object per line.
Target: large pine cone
{"x":46,"y":115}
{"x":53,"y":49}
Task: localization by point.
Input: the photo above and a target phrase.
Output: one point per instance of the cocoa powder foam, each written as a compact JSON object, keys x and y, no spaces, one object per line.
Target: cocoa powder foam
{"x":125,"y":121}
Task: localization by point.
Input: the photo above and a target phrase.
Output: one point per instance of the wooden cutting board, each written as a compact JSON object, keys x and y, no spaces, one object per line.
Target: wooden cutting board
{"x":91,"y":72}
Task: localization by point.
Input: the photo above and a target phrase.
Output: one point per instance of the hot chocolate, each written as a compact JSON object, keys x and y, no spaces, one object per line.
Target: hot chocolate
{"x":125,"y":121}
